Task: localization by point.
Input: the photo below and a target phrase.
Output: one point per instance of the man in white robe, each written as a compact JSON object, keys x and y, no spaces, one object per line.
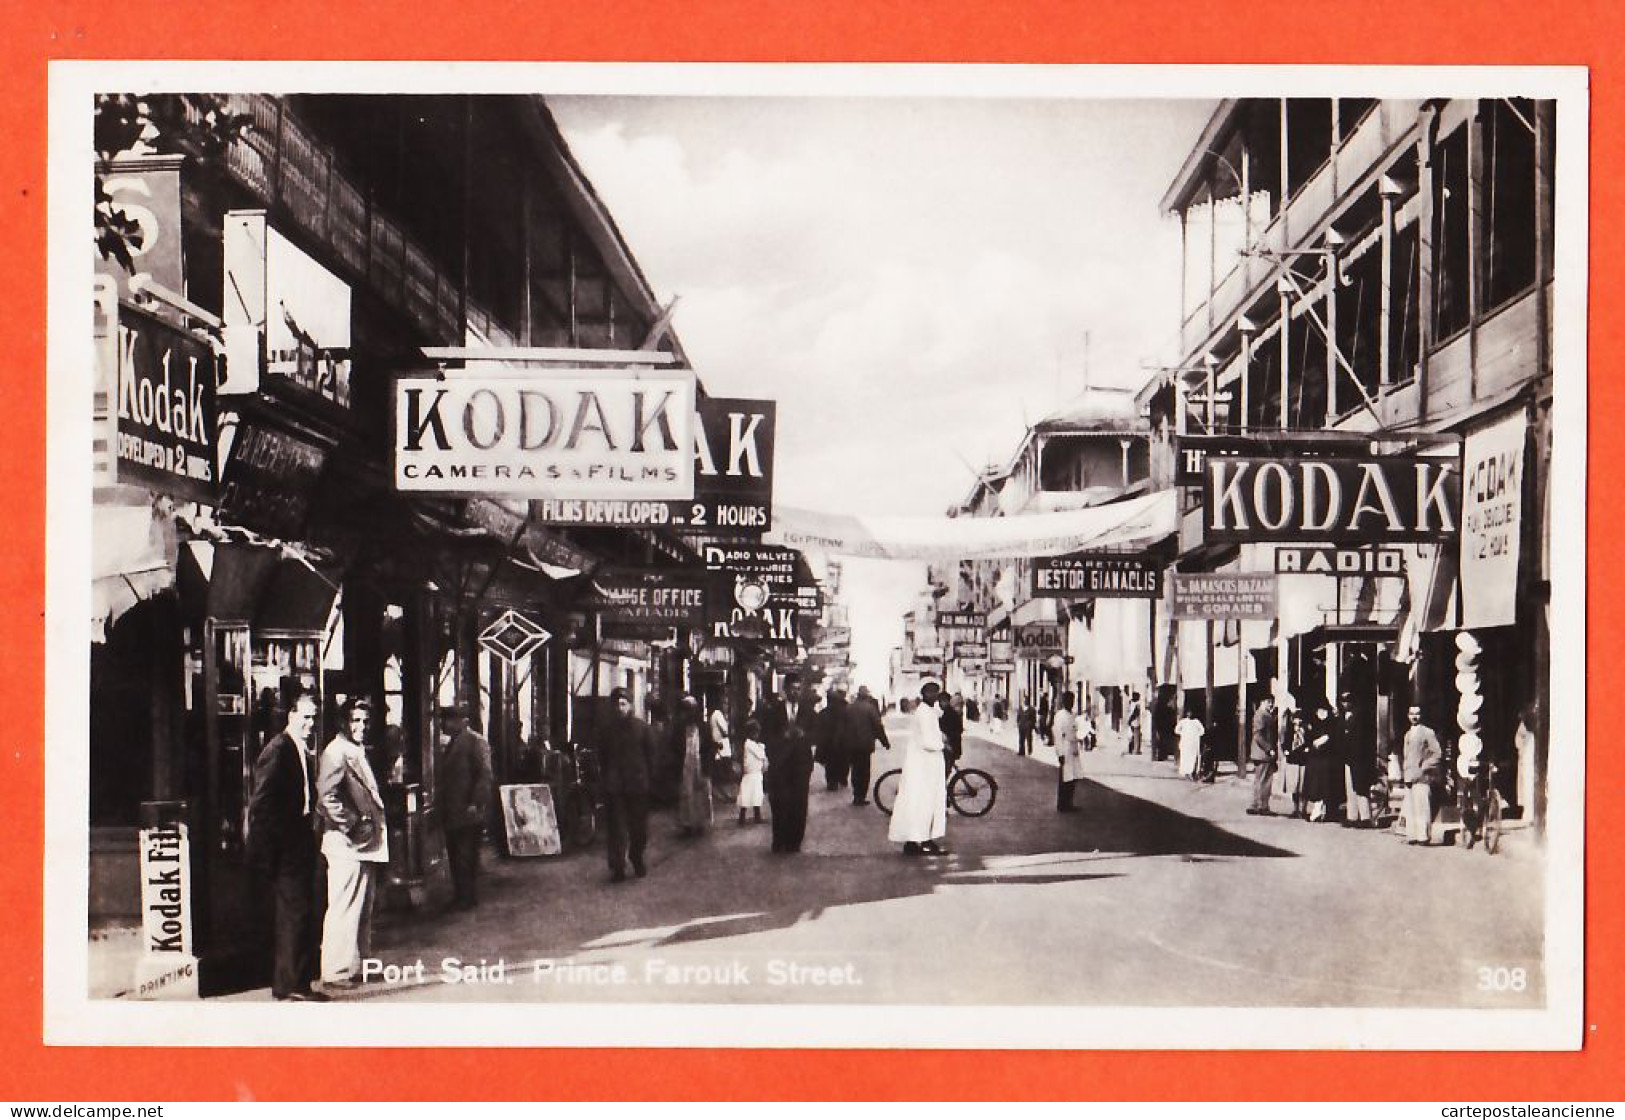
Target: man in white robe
{"x":920,"y":815}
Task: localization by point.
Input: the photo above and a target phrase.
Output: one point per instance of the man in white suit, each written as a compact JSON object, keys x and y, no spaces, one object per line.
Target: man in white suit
{"x":920,"y":816}
{"x":355,"y":842}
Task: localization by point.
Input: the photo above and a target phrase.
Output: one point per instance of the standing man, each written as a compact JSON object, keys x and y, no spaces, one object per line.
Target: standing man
{"x":920,"y":814}
{"x":831,"y":740}
{"x":953,"y":728}
{"x":1132,"y":717}
{"x":282,"y":846}
{"x":1263,"y":752}
{"x":1069,"y":753}
{"x":1358,"y":741}
{"x":863,"y":729}
{"x":1423,"y":757}
{"x":465,"y":795}
{"x":355,"y":841}
{"x":625,"y":767}
{"x":1045,"y":717}
{"x":1026,"y":720}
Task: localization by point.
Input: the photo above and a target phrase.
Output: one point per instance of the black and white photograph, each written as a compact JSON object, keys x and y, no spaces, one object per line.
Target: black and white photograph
{"x":861,"y":555}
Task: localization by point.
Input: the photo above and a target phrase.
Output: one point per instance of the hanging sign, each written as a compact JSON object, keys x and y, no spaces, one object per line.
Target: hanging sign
{"x":757,"y":594}
{"x":733,"y":467}
{"x":560,"y":434}
{"x":1096,"y":577}
{"x":269,"y":478}
{"x":165,"y":407}
{"x":513,"y":637}
{"x":1212,"y":596}
{"x":1339,"y":561}
{"x":1374,"y":499}
{"x":667,"y":596}
{"x":1492,"y":522}
{"x":962,"y":620}
{"x":1038,"y":640}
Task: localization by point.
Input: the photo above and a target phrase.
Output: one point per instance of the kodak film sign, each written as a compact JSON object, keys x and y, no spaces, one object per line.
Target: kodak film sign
{"x":568,"y":434}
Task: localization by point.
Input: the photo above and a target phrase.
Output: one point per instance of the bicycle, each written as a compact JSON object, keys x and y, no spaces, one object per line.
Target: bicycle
{"x":971,"y":792}
{"x":575,"y":795}
{"x":1480,"y":807}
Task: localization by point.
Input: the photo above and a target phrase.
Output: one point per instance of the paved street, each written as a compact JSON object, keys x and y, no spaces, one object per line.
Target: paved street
{"x":1159,"y":892}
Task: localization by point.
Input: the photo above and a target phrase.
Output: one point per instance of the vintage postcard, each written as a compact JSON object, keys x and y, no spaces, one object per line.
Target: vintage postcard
{"x":935,"y":556}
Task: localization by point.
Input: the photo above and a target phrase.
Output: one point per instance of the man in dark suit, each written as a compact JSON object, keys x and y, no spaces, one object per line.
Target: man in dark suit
{"x":830,"y":728}
{"x":465,"y":799}
{"x":863,"y":728}
{"x":626,"y":761}
{"x":282,"y":847}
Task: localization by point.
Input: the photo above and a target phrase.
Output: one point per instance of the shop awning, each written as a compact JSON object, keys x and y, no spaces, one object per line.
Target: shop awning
{"x":1135,"y":523}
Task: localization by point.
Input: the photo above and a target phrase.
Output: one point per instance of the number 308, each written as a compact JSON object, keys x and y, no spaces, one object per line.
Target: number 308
{"x":1502,"y":979}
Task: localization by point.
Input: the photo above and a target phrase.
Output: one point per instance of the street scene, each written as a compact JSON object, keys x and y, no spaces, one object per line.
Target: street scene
{"x":571,"y":548}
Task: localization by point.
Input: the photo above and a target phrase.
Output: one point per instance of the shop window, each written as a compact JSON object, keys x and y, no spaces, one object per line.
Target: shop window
{"x":129,"y":692}
{"x":1308,"y":139}
{"x":1509,"y":199}
{"x":1452,"y":266}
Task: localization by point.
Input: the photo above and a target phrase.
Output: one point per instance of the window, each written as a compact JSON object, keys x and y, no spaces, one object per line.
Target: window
{"x":1509,"y":199}
{"x":1359,"y":326}
{"x":1308,"y":139}
{"x":1451,"y":263}
{"x":1405,"y":318}
{"x":1264,"y":384}
{"x":1306,"y":405}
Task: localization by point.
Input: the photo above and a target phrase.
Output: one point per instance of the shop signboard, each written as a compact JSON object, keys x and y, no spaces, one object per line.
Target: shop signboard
{"x":1373,"y":499}
{"x":969,"y":650}
{"x":612,"y":631}
{"x":973,"y":666}
{"x":513,"y":636}
{"x":1001,"y":650}
{"x":1217,"y":596}
{"x":268,"y":479}
{"x":616,"y":512}
{"x":166,"y":968}
{"x":1099,"y":576}
{"x":1492,"y":522}
{"x":962,"y":620}
{"x":1291,"y":560}
{"x":1039,"y":640}
{"x":287,"y":317}
{"x":757,"y":594}
{"x":733,"y":466}
{"x":837,"y":635}
{"x":663,"y":596}
{"x":146,"y":190}
{"x":528,"y":820}
{"x":559,"y":434}
{"x":165,"y":410}
{"x":997,"y":665}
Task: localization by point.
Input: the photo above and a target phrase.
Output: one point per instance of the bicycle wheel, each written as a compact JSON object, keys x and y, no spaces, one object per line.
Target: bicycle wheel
{"x":885,"y":795}
{"x":1492,"y":824}
{"x":972,"y":792}
{"x":580,"y":818}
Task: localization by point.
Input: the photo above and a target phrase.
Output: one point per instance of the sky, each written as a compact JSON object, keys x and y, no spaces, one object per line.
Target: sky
{"x":914,"y":281}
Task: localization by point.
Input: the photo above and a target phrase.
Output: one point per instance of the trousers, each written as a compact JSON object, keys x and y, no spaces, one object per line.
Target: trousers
{"x":293,"y":895}
{"x":861,"y":761}
{"x":1263,"y":775}
{"x":347,"y":925}
{"x":1419,"y":812}
{"x":626,"y":820}
{"x":463,"y":860}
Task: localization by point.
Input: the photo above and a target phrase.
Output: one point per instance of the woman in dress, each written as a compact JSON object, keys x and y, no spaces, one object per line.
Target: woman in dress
{"x":694,"y":789}
{"x":1323,"y":766}
{"x":1294,"y":743}
{"x":755,"y":761}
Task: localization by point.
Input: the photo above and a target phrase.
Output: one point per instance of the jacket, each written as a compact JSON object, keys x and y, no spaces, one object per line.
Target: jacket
{"x":1266,"y":734}
{"x":862,"y":728}
{"x":349,"y":806}
{"x":465,"y":782}
{"x":626,"y":756}
{"x":280,"y":827}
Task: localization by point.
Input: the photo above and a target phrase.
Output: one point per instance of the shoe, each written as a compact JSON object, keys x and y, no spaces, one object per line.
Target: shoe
{"x":342,"y":984}
{"x":1252,"y":812}
{"x":306,"y":996}
{"x":617,"y":876}
{"x":865,"y":801}
{"x":932,"y":848}
{"x":1265,"y":813}
{"x":910,"y":848}
{"x":639,"y":870}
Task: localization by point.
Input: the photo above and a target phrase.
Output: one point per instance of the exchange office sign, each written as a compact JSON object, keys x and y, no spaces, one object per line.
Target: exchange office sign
{"x":1207,"y":596}
{"x":655,"y":596}
{"x":1372,"y":499}
{"x":1096,"y":577}
{"x":564,"y":434}
{"x":166,"y":380}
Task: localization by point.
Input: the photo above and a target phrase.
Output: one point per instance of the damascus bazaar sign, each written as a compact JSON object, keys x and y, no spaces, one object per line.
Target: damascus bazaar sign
{"x":1376,"y":499}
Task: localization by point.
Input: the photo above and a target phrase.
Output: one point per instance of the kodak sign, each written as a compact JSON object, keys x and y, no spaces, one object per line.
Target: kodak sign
{"x":1372,"y":499}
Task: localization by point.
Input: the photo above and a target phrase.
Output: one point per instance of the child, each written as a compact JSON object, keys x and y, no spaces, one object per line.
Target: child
{"x":750,"y":783}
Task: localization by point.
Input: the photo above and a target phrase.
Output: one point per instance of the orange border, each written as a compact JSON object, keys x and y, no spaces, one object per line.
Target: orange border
{"x":1263,"y":31}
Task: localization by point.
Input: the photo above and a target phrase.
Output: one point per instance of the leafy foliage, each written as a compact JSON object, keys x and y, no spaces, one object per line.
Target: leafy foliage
{"x":197,"y":125}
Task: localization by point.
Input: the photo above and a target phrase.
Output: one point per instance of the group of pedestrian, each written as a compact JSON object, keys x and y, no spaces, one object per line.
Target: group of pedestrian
{"x":317,"y":835}
{"x":1329,"y":766}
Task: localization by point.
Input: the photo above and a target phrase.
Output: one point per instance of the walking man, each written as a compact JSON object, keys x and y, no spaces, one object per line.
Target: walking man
{"x":1263,"y":752}
{"x":1026,"y":720}
{"x":1069,"y":753}
{"x":282,"y":847}
{"x":920,"y":815}
{"x":864,"y":728}
{"x":625,"y":768}
{"x":465,"y":797}
{"x":355,"y":842}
